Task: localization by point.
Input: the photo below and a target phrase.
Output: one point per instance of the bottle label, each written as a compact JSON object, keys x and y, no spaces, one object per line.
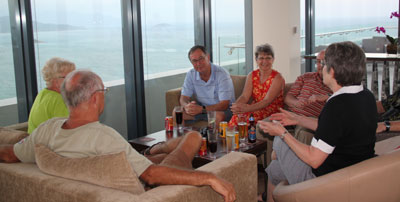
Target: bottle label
{"x":252,"y":134}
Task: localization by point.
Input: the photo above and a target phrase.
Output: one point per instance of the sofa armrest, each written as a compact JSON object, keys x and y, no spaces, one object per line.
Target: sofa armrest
{"x":235,"y":167}
{"x":376,"y":179}
{"x":172,"y":99}
{"x":18,"y":126}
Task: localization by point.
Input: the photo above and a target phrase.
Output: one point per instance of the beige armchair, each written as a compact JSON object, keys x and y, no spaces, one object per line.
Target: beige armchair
{"x":376,"y":179}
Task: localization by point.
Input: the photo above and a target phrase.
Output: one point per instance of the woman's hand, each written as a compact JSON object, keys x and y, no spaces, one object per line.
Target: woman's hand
{"x":239,"y":108}
{"x":285,"y":118}
{"x":381,"y":127}
{"x":273,"y":128}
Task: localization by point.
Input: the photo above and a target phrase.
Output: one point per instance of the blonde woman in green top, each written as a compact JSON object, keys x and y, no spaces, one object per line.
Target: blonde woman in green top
{"x":49,"y":102}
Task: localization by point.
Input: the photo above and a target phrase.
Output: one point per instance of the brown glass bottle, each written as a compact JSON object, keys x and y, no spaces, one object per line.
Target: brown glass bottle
{"x":251,"y":131}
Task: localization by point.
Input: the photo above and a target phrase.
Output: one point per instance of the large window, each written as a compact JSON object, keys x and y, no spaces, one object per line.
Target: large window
{"x":356,"y":20}
{"x":8,"y":115}
{"x":7,"y":78}
{"x":168,"y":34}
{"x":87,"y":33}
{"x":228,"y":35}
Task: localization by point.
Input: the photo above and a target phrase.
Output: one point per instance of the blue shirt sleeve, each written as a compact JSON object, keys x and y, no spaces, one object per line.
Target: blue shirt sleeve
{"x":226,"y":90}
{"x":188,"y":87}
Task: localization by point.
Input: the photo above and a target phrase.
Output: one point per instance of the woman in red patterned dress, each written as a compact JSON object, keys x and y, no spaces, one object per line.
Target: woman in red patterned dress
{"x":264,"y":87}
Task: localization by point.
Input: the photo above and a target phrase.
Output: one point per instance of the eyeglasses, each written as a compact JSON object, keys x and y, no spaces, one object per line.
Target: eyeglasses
{"x":104,"y":90}
{"x":265,"y":58}
{"x":322,"y":62}
{"x":201,"y":59}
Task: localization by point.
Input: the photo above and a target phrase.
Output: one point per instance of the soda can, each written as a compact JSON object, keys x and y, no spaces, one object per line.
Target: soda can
{"x":222,"y":128}
{"x":203,"y":148}
{"x":236,"y":139}
{"x":169,"y":123}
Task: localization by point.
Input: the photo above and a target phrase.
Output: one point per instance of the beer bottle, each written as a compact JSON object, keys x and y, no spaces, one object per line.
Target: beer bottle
{"x":251,"y":132}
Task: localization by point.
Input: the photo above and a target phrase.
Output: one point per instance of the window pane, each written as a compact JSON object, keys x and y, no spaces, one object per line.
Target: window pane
{"x":168,"y":34}
{"x":87,"y":33}
{"x":353,"y":24}
{"x":228,"y":35}
{"x":8,"y":101}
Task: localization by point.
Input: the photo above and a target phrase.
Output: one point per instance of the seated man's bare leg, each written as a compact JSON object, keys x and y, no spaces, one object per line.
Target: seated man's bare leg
{"x":165,"y":147}
{"x":157,"y":158}
{"x":184,"y":153}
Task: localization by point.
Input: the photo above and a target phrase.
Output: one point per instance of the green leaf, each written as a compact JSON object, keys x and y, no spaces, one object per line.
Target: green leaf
{"x":391,"y":40}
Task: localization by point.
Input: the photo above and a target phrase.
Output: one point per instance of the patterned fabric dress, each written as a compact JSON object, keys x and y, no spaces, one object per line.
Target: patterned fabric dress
{"x":258,"y":94}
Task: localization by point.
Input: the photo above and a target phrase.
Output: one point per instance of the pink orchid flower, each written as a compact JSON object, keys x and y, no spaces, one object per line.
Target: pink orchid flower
{"x":380,"y":29}
{"x":394,"y":14}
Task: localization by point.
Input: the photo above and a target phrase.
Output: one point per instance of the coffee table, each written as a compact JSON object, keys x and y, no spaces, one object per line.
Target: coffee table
{"x":141,"y":143}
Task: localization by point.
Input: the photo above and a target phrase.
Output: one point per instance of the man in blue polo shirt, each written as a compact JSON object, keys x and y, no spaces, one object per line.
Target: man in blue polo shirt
{"x":212,"y":86}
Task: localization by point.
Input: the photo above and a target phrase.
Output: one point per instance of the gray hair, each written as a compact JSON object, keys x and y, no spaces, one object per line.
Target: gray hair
{"x":79,"y":86}
{"x":55,"y":67}
{"x":348,"y":61}
{"x":265,"y":48}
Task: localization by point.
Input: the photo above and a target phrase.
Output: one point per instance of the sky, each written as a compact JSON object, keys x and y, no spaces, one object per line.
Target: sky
{"x":108,"y":12}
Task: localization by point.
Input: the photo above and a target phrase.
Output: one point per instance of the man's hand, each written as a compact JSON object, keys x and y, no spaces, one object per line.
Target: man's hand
{"x":193,"y":108}
{"x":285,"y":118}
{"x":318,"y":98}
{"x":300,"y":104}
{"x":238,"y":108}
{"x":224,"y":188}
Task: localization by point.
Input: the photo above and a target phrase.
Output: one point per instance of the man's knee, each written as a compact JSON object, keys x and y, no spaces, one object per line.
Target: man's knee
{"x":193,"y":137}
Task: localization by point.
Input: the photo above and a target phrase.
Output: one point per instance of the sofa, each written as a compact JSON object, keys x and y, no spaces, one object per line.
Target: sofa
{"x":376,"y":179}
{"x":27,"y":182}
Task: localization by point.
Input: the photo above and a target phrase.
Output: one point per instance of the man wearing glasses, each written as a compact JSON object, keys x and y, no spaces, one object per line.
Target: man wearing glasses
{"x":81,"y":135}
{"x":307,"y":97}
{"x":212,"y":86}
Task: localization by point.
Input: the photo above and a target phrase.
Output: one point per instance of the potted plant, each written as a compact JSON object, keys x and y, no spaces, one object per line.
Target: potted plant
{"x":392,"y":47}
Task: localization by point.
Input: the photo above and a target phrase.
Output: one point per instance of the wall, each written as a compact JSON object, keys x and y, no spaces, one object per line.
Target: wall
{"x":275,"y":22}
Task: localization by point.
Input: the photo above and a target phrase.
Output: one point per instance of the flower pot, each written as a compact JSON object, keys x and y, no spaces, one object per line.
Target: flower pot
{"x":391,"y":49}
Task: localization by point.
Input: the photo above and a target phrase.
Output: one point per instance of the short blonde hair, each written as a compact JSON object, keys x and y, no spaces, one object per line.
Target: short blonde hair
{"x":55,"y":67}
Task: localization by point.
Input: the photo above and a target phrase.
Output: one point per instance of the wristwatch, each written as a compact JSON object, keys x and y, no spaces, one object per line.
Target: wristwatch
{"x":204,"y":111}
{"x":283,"y":134}
{"x":387,"y":124}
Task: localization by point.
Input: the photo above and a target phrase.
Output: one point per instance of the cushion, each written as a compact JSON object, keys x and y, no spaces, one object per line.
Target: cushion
{"x":111,"y":170}
{"x":9,"y":136}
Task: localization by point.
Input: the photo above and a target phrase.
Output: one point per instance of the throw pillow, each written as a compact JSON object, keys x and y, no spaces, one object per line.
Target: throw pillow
{"x":111,"y":170}
{"x":8,"y":136}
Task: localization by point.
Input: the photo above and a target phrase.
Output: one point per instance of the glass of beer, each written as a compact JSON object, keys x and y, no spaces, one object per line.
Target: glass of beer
{"x":212,"y":142}
{"x":178,"y":117}
{"x":242,"y":127}
{"x":230,"y":139}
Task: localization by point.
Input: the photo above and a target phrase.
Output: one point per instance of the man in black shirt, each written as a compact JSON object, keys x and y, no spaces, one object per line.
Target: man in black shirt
{"x":345,"y":129}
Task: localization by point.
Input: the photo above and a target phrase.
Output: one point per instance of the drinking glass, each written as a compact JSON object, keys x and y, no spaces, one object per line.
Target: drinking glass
{"x":211,"y":120}
{"x":178,"y":117}
{"x":242,"y":127}
{"x":212,"y":142}
{"x":230,"y":139}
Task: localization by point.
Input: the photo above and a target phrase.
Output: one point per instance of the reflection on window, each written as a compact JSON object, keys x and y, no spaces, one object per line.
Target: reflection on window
{"x":87,"y":33}
{"x":357,"y":25}
{"x":228,"y":35}
{"x":7,"y":78}
{"x":168,"y":34}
